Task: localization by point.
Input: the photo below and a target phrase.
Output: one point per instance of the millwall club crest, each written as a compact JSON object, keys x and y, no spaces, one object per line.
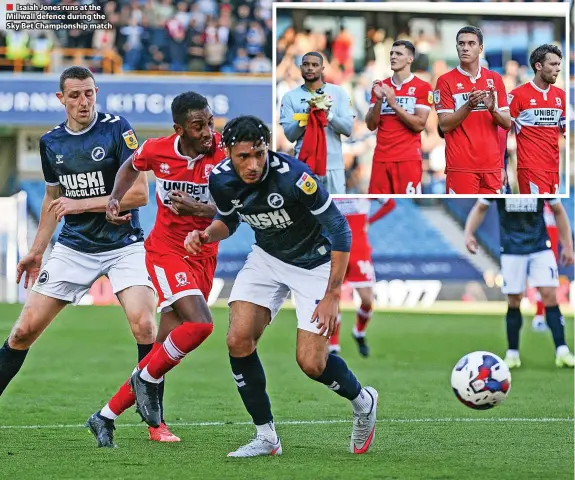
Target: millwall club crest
{"x":130,"y":139}
{"x":182,"y":279}
{"x":98,"y":154}
{"x":275,"y":200}
{"x":207,"y":170}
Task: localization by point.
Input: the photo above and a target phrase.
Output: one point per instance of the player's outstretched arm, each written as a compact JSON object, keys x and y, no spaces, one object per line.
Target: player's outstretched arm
{"x":32,"y":262}
{"x":386,"y":207}
{"x":291,"y":127}
{"x":564,"y":229}
{"x":130,"y":191}
{"x":474,"y":220}
{"x":216,"y":232}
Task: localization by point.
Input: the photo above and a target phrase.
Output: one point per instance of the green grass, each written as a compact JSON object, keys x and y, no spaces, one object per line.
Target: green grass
{"x":424,"y":433}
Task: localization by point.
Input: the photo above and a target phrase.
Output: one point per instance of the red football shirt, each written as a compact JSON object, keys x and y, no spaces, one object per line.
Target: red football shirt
{"x":539,"y":116}
{"x":395,"y":141}
{"x":474,"y":145}
{"x":356,"y":211}
{"x":175,"y":171}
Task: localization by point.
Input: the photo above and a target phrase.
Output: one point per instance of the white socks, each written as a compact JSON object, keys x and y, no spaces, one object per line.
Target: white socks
{"x":268,"y":431}
{"x":107,"y":413}
{"x":562,"y":350}
{"x":144,"y":375}
{"x":363,"y":402}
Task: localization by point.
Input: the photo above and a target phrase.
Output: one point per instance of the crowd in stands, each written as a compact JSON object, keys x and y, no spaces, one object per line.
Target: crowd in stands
{"x":341,"y":68}
{"x":164,"y":35}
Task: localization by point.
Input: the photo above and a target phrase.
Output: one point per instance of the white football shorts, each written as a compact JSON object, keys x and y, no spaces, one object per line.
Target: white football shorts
{"x":69,"y":274}
{"x":266,"y":281}
{"x":538,"y":269}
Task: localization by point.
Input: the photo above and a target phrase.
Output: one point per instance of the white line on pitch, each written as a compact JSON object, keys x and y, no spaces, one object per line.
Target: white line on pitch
{"x":316,"y":422}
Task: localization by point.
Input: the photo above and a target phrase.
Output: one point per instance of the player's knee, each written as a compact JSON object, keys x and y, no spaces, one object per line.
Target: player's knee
{"x":514,"y":301}
{"x":548,"y":296}
{"x":312,"y":367}
{"x":240,"y":345}
{"x":24,"y":334}
{"x":144,"y":328}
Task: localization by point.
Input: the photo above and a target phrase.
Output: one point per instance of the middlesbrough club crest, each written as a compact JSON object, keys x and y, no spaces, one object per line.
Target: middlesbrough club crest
{"x":182,"y":279}
{"x":207,"y":170}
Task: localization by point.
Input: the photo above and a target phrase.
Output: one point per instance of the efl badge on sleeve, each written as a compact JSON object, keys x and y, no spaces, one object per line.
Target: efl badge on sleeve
{"x":430,"y":97}
{"x":130,"y":139}
{"x":436,"y":97}
{"x":307,"y":184}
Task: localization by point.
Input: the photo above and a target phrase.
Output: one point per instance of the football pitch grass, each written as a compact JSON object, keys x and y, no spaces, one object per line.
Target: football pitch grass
{"x":423,"y":432}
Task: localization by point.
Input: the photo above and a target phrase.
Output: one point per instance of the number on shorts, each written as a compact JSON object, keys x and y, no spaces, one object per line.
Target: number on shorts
{"x":554,"y":272}
{"x":410,"y":190}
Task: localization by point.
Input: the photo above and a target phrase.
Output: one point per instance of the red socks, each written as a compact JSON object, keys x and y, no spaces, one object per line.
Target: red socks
{"x":182,"y":340}
{"x":162,"y":358}
{"x":363,"y":316}
{"x":124,"y":397}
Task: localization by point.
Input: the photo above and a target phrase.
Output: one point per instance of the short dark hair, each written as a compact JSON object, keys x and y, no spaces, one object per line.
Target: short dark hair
{"x":471,"y":29}
{"x":185,"y":103}
{"x":405,"y":43}
{"x":77,"y":73}
{"x":538,"y":55}
{"x":314,"y":54}
{"x":246,"y":128}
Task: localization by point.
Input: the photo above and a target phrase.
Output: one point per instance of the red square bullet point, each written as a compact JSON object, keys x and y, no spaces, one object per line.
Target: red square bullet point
{"x":9,"y":7}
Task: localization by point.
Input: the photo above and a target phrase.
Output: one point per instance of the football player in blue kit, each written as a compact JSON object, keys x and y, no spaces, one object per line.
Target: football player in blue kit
{"x":302,"y":245}
{"x":526,"y":256}
{"x":80,"y":159}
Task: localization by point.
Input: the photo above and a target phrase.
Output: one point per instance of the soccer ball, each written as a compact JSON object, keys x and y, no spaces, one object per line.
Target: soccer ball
{"x":481,"y":380}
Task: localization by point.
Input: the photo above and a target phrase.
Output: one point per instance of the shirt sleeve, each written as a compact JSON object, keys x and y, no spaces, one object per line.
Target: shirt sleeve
{"x":128,"y":141}
{"x":424,"y":98}
{"x":563,"y":118}
{"x":225,"y":211}
{"x":484,"y":201}
{"x":49,"y":175}
{"x":442,"y":97}
{"x":341,"y":117}
{"x":317,"y":200}
{"x":141,"y":160}
{"x":514,"y":105}
{"x":501,"y":94}
{"x":291,"y":127}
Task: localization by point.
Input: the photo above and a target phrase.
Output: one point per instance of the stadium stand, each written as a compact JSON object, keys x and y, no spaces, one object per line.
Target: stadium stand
{"x":153,"y":36}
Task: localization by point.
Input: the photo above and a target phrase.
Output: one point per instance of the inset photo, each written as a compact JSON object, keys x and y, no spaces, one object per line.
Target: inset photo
{"x":401,"y":98}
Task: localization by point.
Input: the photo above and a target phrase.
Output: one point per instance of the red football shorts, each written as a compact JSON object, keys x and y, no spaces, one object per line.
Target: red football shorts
{"x":395,"y":177}
{"x":471,"y":183}
{"x":360,"y":271}
{"x":176,"y":276}
{"x":537,"y":181}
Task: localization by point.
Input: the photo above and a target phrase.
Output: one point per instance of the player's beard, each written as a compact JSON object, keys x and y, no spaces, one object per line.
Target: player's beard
{"x":312,"y":79}
{"x":550,"y":78}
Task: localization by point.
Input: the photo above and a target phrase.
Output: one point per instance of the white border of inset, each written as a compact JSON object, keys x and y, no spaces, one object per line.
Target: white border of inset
{"x":538,"y":9}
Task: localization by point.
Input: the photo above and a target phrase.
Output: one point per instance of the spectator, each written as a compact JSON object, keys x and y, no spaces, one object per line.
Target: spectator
{"x":260,"y":64}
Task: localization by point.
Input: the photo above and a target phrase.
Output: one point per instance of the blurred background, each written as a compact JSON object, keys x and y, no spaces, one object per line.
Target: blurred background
{"x":356,"y":46}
